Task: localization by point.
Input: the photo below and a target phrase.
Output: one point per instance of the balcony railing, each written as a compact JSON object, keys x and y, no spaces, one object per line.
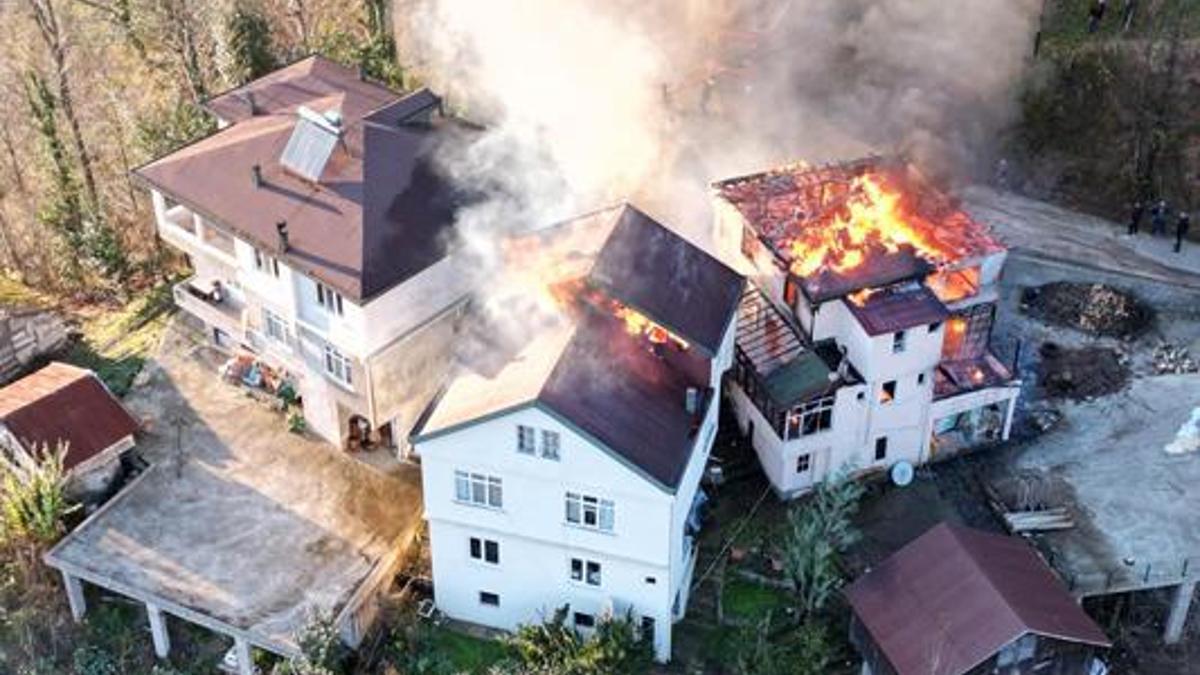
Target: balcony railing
{"x":215,"y":309}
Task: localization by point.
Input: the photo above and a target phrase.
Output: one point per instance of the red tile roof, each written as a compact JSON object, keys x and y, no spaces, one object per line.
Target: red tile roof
{"x":64,"y":403}
{"x":954,"y":596}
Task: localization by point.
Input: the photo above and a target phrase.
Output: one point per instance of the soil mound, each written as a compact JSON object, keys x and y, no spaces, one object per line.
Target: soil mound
{"x":1080,"y":374}
{"x":1093,"y":308}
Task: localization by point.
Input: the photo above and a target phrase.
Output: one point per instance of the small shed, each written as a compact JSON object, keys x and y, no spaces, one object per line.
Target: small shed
{"x":63,"y":403}
{"x":957,"y":601}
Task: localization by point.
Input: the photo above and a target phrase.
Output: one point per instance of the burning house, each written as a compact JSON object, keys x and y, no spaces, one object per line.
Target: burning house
{"x":863,"y":338}
{"x":568,"y":472}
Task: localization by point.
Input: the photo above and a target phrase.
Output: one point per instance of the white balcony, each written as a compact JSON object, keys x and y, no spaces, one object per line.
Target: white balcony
{"x":182,"y":228}
{"x":212,"y":305}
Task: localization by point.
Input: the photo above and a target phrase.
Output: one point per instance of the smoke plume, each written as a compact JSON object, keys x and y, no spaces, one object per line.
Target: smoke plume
{"x":589,"y":102}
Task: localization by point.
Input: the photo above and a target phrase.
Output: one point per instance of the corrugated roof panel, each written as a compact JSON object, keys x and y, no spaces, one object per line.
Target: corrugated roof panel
{"x":311,"y":144}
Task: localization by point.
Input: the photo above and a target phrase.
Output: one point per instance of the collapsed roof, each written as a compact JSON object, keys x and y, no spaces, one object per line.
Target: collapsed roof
{"x":954,"y":596}
{"x":864,"y":224}
{"x":615,"y":386}
{"x":62,"y":403}
{"x":377,"y":212}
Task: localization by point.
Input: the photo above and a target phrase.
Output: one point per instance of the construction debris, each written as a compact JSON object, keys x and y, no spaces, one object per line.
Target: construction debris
{"x":1039,"y":521}
{"x":1172,"y":359}
{"x":1081,"y":374}
{"x":1093,"y":308}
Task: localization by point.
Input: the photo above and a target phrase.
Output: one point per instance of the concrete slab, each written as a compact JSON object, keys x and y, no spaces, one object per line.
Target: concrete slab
{"x":1134,"y":504}
{"x":240,"y":520}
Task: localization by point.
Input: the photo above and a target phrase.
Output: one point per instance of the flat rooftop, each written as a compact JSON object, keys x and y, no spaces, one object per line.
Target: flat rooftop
{"x":1134,"y":504}
{"x":256,"y":527}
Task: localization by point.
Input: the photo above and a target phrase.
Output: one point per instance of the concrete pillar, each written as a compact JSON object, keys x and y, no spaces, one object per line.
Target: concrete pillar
{"x":1179,"y":611}
{"x":158,"y":631}
{"x":75,"y":596}
{"x":245,"y":660}
{"x":1008,"y":417}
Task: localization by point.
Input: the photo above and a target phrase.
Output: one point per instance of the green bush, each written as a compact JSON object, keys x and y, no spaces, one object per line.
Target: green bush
{"x":554,"y":647}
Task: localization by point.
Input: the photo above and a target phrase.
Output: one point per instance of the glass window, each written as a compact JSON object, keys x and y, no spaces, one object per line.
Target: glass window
{"x":590,"y":512}
{"x":526,"y":439}
{"x":881,"y":448}
{"x":593,"y":573}
{"x":491,"y":552}
{"x":337,"y":365}
{"x":330,"y":299}
{"x":576,"y":569}
{"x":898,"y":340}
{"x":809,"y":418}
{"x":888,"y":393}
{"x":478,"y":489}
{"x":583,"y":620}
{"x":275,"y":326}
{"x":550,"y":443}
{"x":491,"y":599}
{"x":803,"y":463}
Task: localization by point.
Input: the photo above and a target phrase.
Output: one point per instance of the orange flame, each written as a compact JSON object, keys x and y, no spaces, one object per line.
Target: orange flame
{"x":638,"y":324}
{"x":872,"y":217}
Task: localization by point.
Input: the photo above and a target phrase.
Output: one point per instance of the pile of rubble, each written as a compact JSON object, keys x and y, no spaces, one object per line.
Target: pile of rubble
{"x":1094,"y":308}
{"x":1172,"y":359}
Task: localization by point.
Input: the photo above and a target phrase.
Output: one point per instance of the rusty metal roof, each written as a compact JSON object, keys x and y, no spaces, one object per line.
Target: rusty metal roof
{"x":893,"y":309}
{"x":673,"y":282}
{"x":954,"y":596}
{"x":381,"y":210}
{"x":63,"y":403}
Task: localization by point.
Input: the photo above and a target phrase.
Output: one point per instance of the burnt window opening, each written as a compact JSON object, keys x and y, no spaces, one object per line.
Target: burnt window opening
{"x":898,"y":342}
{"x":490,"y":599}
{"x":887,"y":394}
{"x":881,"y":448}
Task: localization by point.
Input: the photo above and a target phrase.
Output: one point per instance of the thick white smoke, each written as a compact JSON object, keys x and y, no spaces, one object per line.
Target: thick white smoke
{"x":589,"y":102}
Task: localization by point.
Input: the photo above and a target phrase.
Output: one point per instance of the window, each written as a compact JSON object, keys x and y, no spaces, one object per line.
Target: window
{"x":478,"y":489}
{"x":589,"y":512}
{"x":803,"y":463}
{"x":584,"y":620}
{"x":337,"y":365}
{"x":490,"y":599}
{"x":526,"y":439}
{"x":935,"y":326}
{"x":275,"y":326}
{"x":880,"y":448}
{"x":550,"y":442}
{"x":809,"y":418}
{"x":651,"y":580}
{"x":266,"y":263}
{"x":1019,"y":651}
{"x":888,"y":393}
{"x":648,"y":629}
{"x":585,"y":571}
{"x":920,"y":379}
{"x":330,"y":299}
{"x":898,"y":339}
{"x":486,"y":550}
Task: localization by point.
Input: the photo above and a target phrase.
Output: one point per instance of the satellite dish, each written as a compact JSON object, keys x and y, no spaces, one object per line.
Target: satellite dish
{"x":902,"y":473}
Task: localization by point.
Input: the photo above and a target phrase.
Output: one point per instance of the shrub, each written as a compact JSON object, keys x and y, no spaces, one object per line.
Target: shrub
{"x":554,"y":647}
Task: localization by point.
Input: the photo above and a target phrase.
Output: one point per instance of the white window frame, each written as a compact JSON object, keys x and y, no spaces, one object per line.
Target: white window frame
{"x":798,"y":417}
{"x":485,"y":547}
{"x":267,"y":264}
{"x":273,"y":321}
{"x":526,"y":440}
{"x":581,"y":508}
{"x":477,"y":489}
{"x":329,"y":300}
{"x":805,"y":459}
{"x":586,"y":572}
{"x":338,"y":366}
{"x":551,"y":445}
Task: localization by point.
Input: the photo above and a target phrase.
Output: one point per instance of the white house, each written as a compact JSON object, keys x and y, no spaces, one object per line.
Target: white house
{"x":566,"y":474}
{"x":864,"y":338}
{"x":317,"y":228}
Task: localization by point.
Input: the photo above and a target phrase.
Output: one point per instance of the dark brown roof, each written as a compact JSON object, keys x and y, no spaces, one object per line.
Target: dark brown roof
{"x":676,"y":284}
{"x":889,"y":310}
{"x":64,"y":403}
{"x":881,"y":269}
{"x":953,"y":597}
{"x":380,"y":213}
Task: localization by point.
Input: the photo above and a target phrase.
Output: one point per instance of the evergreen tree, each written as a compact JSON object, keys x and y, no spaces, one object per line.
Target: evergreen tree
{"x":252,"y":52}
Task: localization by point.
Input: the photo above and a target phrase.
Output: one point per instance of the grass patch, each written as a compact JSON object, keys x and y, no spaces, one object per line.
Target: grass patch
{"x":117,"y":343}
{"x":747,"y":600}
{"x":16,"y":294}
{"x":466,"y":653}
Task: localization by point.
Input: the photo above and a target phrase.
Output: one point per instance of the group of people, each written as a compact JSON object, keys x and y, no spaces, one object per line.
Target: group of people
{"x":1100,"y":7}
{"x":1160,"y":214}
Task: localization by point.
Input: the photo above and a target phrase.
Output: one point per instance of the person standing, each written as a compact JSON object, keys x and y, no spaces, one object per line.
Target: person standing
{"x":1181,"y":229}
{"x":1158,"y":218}
{"x":1135,"y":216}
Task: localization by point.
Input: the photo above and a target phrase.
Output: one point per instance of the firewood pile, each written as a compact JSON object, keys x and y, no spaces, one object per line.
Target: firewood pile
{"x":1093,"y":308}
{"x":1172,"y":359}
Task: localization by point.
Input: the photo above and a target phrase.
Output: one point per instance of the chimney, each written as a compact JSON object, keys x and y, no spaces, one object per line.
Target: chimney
{"x":256,"y":175}
{"x":281,"y":228}
{"x":691,"y":400}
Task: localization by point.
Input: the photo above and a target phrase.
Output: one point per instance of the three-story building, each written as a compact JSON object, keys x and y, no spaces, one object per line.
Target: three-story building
{"x":317,"y":226}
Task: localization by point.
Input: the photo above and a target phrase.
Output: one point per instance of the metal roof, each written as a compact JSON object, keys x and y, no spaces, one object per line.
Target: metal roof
{"x":888,"y":310}
{"x":953,"y":597}
{"x":790,"y":368}
{"x":63,"y":403}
